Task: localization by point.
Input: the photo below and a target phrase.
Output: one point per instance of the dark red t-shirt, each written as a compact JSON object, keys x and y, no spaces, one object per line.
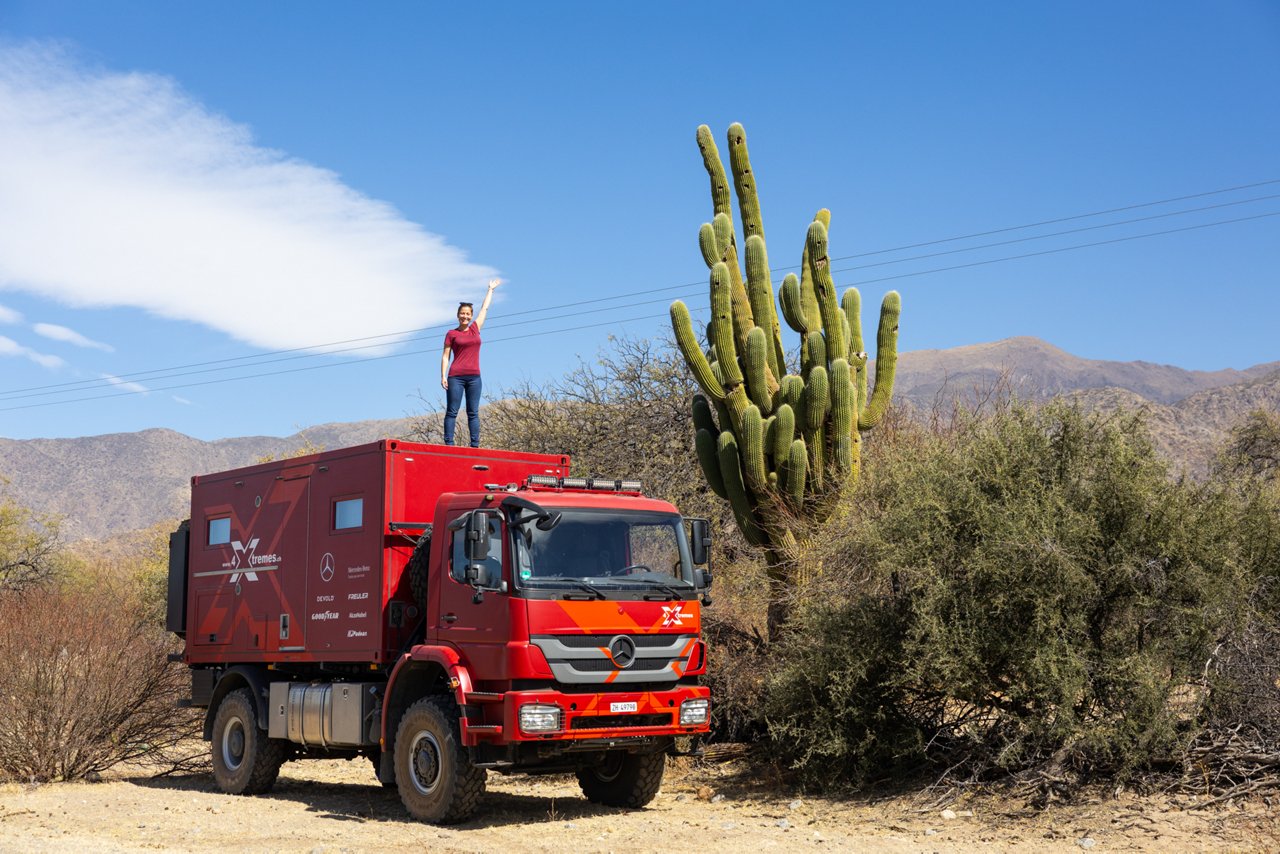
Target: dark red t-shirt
{"x":465,"y":346}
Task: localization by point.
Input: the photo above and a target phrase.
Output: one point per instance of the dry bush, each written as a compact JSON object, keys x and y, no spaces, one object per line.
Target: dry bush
{"x":29,"y":544}
{"x":87,"y":684}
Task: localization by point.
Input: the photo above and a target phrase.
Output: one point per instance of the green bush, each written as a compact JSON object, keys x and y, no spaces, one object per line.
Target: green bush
{"x":1023,"y":589}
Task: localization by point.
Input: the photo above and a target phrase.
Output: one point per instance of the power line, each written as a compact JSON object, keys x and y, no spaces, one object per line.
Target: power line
{"x":315,"y":351}
{"x":326,"y":348}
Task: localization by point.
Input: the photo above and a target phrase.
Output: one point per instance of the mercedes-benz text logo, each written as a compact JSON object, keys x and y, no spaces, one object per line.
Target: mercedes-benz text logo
{"x":326,"y":567}
{"x":622,"y":650}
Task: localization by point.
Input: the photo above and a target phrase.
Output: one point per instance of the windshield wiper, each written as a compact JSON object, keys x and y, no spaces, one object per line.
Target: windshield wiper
{"x":582,"y":585}
{"x":671,"y":592}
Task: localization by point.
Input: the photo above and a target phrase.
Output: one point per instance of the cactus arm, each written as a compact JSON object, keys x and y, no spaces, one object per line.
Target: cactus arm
{"x":751,"y":450}
{"x":760,"y":292}
{"x":707,"y":245}
{"x":809,"y":299}
{"x":784,"y":433}
{"x":743,"y":319}
{"x":790,"y":392}
{"x":813,"y":354}
{"x":731,"y":473}
{"x":843,"y":400}
{"x":796,"y":471}
{"x":702,"y":417}
{"x":886,"y":361}
{"x":825,"y":291}
{"x":816,"y":404}
{"x":761,"y":386}
{"x":852,"y":305}
{"x":792,"y":307}
{"x":705,"y":445}
{"x":722,"y":325}
{"x":715,"y":170}
{"x":682,"y":324}
{"x":744,"y":182}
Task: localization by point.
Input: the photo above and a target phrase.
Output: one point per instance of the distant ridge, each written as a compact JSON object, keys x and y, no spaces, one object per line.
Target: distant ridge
{"x":110,"y":484}
{"x":1036,"y":369}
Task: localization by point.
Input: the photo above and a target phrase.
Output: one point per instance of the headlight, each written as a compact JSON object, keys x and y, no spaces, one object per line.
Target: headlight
{"x":539,"y":718}
{"x":694,"y":712}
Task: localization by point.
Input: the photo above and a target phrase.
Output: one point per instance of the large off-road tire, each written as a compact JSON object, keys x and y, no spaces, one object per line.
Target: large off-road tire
{"x":434,"y":774}
{"x":623,"y":779}
{"x":245,"y":761}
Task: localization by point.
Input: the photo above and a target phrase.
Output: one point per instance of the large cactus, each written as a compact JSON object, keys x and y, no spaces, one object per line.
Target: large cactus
{"x":778,"y":446}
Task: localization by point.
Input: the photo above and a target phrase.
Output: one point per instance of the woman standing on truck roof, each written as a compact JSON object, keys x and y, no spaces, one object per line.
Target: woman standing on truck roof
{"x":463,"y":376}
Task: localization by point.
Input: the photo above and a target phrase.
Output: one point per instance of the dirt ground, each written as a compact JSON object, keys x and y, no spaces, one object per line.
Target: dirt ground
{"x":336,"y":806}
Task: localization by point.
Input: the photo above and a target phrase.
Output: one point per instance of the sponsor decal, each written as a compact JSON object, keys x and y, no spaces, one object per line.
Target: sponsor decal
{"x":325,"y":597}
{"x":245,"y":555}
{"x":357,"y":615}
{"x":320,"y":616}
{"x":673,"y":615}
{"x":326,"y":567}
{"x":352,"y":633}
{"x":356,"y":571}
{"x":354,"y":596}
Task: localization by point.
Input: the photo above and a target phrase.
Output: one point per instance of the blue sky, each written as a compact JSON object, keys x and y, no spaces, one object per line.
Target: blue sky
{"x":187,"y":183}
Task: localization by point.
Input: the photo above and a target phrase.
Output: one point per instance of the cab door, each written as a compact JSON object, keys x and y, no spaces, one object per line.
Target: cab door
{"x":478,"y":630}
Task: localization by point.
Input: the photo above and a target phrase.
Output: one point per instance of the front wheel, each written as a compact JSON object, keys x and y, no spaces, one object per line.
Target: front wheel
{"x":245,"y":761}
{"x":623,"y":779}
{"x":434,"y":774}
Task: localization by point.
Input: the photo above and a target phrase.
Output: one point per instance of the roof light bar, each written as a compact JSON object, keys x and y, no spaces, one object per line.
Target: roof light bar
{"x":543,"y":480}
{"x":629,"y":486}
{"x":574,"y":483}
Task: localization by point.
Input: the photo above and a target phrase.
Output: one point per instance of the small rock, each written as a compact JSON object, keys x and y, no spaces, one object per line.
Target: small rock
{"x":93,"y":777}
{"x":795,"y":805}
{"x":705,"y":793}
{"x":784,"y":824}
{"x":680,"y":797}
{"x":570,"y":825}
{"x":1086,"y":842}
{"x":717,"y":799}
{"x":949,"y":814}
{"x":931,"y":832}
{"x":965,"y":813}
{"x":729,"y":825}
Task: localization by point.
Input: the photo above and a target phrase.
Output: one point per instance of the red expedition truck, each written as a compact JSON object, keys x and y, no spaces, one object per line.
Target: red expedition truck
{"x":444,"y":612}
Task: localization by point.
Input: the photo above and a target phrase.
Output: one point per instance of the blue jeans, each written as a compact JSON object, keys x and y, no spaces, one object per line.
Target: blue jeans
{"x":457,"y":385}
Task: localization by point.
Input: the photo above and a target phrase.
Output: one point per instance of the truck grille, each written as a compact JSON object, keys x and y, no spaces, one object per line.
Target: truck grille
{"x":586,"y":659}
{"x":620,"y":721}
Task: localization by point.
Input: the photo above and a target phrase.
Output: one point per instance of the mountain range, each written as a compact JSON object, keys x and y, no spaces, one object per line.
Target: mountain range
{"x":110,"y":484}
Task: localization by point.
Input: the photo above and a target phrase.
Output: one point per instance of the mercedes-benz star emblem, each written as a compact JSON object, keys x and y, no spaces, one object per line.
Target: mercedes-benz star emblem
{"x":326,"y":567}
{"x":622,"y":650}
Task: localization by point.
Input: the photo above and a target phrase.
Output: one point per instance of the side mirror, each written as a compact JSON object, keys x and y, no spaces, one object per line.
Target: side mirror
{"x":700,"y":537}
{"x":477,"y":545}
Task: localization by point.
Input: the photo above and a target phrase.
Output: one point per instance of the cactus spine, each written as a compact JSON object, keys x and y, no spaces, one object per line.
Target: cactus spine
{"x":779,"y":445}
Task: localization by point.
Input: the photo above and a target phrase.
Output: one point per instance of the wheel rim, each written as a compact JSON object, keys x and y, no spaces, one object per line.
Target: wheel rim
{"x":424,"y":762}
{"x":608,"y":771}
{"x":233,"y":738}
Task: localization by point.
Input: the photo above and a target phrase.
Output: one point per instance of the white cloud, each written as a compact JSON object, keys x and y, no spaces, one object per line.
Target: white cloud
{"x":181,"y":400}
{"x":125,"y":384}
{"x":9,"y":347}
{"x":121,"y":190}
{"x":70,"y":336}
{"x":8,"y":315}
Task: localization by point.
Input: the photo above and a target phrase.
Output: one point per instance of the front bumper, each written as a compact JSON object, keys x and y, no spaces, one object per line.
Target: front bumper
{"x":620,"y":714}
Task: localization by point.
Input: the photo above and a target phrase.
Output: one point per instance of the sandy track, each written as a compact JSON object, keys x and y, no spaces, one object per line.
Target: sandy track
{"x":336,"y":806}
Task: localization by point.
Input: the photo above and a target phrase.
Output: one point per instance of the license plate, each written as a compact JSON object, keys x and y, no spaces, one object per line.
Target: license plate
{"x":622,"y":707}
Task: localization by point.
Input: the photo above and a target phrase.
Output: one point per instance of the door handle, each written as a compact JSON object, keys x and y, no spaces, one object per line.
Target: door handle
{"x":450,"y":618}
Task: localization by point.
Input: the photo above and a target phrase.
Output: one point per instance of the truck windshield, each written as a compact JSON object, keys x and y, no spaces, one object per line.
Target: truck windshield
{"x":606,"y":550}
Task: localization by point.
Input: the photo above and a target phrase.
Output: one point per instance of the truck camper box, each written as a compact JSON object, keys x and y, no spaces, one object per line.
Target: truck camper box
{"x":303,"y":560}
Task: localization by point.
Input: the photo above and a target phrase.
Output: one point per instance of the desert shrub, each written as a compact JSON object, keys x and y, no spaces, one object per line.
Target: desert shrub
{"x":1028,"y":589}
{"x":86,"y":682}
{"x":29,"y":545}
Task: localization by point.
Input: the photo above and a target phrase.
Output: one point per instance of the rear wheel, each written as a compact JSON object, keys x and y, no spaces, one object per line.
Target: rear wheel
{"x":245,"y":761}
{"x":623,"y":779}
{"x":434,"y":774}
